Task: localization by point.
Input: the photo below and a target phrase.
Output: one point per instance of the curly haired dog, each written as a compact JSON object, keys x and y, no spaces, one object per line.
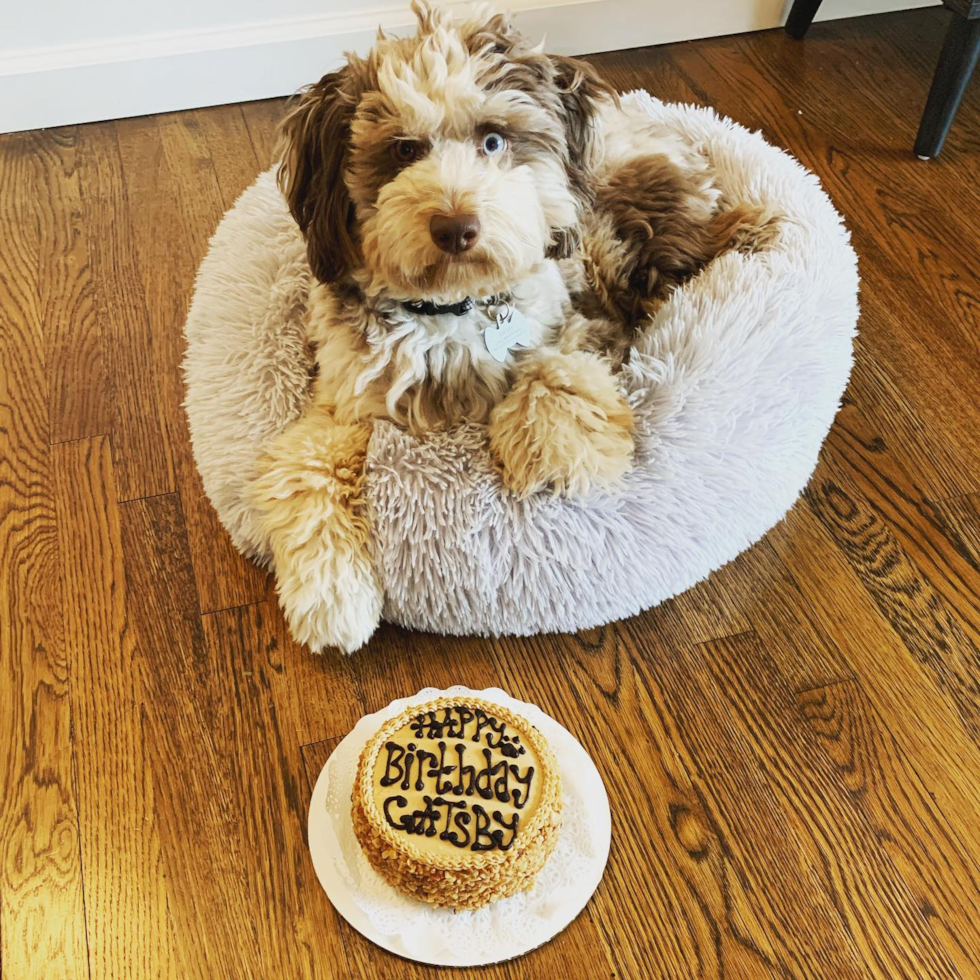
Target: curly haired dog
{"x":487,"y":229}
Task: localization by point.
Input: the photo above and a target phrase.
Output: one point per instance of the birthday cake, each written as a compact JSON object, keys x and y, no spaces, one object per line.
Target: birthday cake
{"x":457,"y":802}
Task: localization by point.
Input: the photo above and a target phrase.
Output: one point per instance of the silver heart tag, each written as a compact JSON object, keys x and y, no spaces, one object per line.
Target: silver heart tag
{"x":511,"y":330}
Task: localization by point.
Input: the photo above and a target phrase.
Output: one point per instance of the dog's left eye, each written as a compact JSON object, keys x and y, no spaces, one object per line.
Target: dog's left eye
{"x":406,"y":151}
{"x":493,"y":143}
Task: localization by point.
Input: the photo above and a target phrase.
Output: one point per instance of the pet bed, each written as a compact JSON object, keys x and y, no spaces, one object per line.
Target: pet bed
{"x":734,"y":386}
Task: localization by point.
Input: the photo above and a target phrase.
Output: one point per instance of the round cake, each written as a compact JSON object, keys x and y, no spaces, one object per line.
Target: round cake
{"x":457,"y":802}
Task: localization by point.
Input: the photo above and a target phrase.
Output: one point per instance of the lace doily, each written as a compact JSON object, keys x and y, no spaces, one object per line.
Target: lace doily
{"x":500,"y":931}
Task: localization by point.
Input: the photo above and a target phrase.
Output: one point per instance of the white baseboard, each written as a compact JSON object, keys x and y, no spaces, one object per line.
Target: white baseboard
{"x":157,"y":73}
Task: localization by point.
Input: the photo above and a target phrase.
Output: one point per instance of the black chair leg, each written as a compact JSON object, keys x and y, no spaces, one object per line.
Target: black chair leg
{"x":801,"y":17}
{"x":956,"y":63}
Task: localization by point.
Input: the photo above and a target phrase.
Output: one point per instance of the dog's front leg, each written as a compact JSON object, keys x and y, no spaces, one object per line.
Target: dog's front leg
{"x":564,"y":424}
{"x":310,"y":495}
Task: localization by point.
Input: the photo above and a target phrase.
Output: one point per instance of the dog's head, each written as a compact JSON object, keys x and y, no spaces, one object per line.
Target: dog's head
{"x":443,"y":165}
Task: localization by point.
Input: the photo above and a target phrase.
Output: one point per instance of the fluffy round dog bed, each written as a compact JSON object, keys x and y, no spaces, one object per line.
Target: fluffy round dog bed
{"x":734,"y":386}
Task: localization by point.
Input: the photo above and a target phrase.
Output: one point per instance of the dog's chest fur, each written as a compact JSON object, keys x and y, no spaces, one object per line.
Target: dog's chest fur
{"x":377,"y":359}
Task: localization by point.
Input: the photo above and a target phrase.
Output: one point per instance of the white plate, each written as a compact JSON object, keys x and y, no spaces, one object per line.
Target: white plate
{"x":499,"y":931}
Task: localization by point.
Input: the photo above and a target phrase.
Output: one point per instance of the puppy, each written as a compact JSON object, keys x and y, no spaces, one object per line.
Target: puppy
{"x":487,"y":229}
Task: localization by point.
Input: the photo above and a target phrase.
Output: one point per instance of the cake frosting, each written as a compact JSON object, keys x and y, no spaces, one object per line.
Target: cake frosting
{"x":457,"y":802}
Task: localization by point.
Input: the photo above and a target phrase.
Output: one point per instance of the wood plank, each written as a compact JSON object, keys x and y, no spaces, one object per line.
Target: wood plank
{"x":797,"y":840}
{"x":42,"y":918}
{"x":909,"y":44}
{"x":905,"y":818}
{"x":129,"y":929}
{"x":171,"y":185}
{"x":897,"y":426}
{"x":297,"y":932}
{"x":761,"y":586}
{"x":960,"y":518}
{"x":896,"y":684}
{"x":398,"y":663}
{"x":315,"y":696}
{"x":78,"y":403}
{"x":230,"y":149}
{"x":187,"y":748}
{"x":912,"y":565}
{"x":262,"y":120}
{"x":655,"y":71}
{"x":315,"y":756}
{"x":141,"y":450}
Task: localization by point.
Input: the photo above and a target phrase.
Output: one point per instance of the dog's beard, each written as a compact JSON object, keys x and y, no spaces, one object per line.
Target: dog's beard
{"x":453,"y":273}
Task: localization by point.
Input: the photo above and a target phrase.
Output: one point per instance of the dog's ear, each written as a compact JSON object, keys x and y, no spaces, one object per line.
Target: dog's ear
{"x":313,"y":144}
{"x":582,"y":93}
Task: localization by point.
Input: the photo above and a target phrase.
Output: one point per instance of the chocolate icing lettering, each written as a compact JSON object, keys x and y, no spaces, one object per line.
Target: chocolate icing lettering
{"x":490,"y":840}
{"x":464,"y":773}
{"x":450,"y":812}
{"x":525,"y":781}
{"x":395,"y":754}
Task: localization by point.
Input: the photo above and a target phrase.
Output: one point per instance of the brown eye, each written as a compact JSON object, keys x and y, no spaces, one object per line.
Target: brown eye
{"x":407,"y":151}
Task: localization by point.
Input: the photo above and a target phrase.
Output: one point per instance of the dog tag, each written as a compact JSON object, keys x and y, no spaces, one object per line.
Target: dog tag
{"x":511,"y":330}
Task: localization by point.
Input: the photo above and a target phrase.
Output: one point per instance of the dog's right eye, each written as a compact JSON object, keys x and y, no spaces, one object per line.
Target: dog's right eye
{"x":406,"y":151}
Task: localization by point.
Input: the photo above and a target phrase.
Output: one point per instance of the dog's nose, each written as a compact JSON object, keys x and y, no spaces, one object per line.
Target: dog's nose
{"x":454,"y":232}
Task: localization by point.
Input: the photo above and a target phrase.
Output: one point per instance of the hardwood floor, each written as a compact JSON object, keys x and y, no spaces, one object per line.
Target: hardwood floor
{"x":792,"y":749}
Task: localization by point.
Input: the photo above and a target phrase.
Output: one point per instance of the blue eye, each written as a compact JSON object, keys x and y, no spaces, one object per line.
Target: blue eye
{"x":493,"y":143}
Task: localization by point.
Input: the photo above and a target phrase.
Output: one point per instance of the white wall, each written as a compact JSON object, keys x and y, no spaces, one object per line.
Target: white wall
{"x":50,"y":23}
{"x":68,"y":61}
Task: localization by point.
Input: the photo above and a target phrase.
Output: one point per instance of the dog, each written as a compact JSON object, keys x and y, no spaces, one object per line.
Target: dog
{"x":488,"y":229}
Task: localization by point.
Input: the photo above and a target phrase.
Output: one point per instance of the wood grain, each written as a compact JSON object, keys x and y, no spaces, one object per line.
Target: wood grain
{"x":760,"y":584}
{"x":175,"y":203}
{"x":142,"y":456}
{"x":129,"y":930}
{"x":961,"y":516}
{"x":262,"y":121}
{"x":902,"y":814}
{"x":42,"y":918}
{"x":793,"y":835}
{"x":77,"y":397}
{"x":267,"y":789}
{"x":915,"y":567}
{"x":187,"y":749}
{"x":230,"y":149}
{"x":900,"y":688}
{"x":790,"y":748}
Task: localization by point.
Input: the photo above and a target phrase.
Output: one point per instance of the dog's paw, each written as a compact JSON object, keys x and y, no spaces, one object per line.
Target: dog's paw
{"x":309,"y":504}
{"x":563,"y":425}
{"x":337,"y":606}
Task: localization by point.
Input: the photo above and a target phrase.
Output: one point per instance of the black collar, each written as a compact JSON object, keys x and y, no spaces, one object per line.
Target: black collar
{"x":426,"y":307}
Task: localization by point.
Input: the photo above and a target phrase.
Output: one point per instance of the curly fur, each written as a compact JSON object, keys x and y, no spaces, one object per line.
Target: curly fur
{"x":585,"y":217}
{"x":564,"y":425}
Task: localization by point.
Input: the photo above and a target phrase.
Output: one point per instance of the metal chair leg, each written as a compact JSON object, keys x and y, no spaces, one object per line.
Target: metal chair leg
{"x":956,"y":63}
{"x":801,"y":17}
